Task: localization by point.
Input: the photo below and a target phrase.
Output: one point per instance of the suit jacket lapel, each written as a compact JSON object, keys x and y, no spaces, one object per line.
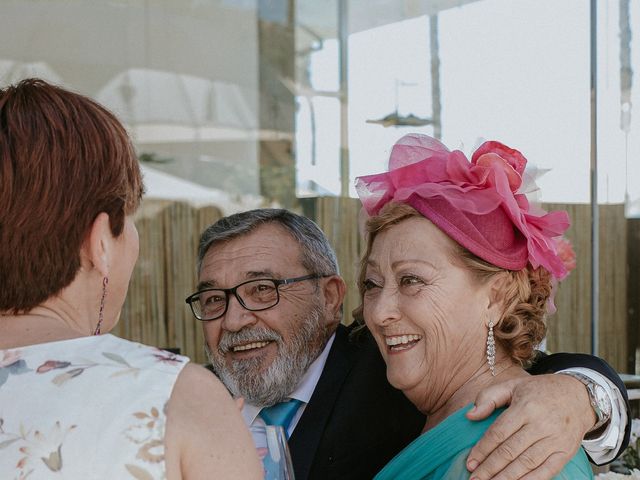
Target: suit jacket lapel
{"x":309,"y":431}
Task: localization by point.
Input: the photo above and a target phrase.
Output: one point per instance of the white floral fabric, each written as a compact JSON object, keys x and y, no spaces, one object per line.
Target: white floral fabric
{"x":87,"y":408}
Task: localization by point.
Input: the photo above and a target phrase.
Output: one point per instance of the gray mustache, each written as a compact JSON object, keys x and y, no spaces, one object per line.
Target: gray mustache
{"x":247,"y":335}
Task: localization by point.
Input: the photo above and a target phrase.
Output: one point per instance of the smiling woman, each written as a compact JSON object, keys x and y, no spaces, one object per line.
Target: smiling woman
{"x":455,"y":283}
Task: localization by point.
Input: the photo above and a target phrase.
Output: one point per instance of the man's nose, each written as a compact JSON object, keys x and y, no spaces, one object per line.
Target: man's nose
{"x":237,"y":317}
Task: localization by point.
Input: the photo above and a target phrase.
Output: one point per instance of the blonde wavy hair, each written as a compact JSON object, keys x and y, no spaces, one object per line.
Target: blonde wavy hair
{"x":522,"y":325}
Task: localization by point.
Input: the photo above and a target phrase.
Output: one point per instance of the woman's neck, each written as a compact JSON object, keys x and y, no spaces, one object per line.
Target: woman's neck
{"x":468,"y":391}
{"x":43,"y":324}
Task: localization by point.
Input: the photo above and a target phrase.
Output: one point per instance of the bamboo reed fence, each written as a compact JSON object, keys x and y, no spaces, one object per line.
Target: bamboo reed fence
{"x":569,"y":330}
{"x":155,"y":312}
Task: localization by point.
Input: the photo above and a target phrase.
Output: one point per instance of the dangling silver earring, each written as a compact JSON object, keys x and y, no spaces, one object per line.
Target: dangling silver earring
{"x":105,"y":282}
{"x":491,"y":350}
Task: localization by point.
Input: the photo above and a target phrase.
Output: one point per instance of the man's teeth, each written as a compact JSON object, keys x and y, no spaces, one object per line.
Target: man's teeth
{"x":249,"y":346}
{"x":402,"y":339}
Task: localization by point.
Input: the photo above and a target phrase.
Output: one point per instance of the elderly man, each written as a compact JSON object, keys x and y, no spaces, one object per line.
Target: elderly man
{"x":270,"y":298}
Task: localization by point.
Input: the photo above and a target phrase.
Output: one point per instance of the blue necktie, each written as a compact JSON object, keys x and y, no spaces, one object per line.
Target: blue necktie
{"x":281,"y":413}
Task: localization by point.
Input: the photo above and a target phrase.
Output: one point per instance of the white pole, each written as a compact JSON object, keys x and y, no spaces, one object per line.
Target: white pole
{"x":343,"y":34}
{"x":595,"y":215}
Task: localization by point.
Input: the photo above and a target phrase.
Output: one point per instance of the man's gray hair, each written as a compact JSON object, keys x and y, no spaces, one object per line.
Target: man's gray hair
{"x":317,"y":255}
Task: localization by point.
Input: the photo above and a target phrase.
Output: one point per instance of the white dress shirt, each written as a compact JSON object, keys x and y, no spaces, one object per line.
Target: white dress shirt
{"x":601,"y":449}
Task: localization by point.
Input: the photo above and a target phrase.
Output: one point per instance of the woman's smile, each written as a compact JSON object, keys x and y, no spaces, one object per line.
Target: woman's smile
{"x":398,"y":343}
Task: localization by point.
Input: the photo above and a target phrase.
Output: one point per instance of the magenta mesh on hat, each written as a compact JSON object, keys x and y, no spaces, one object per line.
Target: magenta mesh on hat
{"x":476,"y":203}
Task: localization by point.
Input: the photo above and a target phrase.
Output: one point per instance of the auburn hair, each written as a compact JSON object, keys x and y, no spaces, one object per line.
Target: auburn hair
{"x":63,"y":160}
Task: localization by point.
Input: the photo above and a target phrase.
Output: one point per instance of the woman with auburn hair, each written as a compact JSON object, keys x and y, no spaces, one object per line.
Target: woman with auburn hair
{"x":455,"y":284}
{"x":76,"y":401}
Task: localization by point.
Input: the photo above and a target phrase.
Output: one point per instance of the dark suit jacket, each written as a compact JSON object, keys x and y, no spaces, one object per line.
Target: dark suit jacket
{"x":356,"y":422}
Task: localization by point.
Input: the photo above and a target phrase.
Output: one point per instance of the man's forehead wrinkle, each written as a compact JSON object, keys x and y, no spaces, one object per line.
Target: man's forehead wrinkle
{"x":267,"y":239}
{"x":234,"y":262}
{"x":231,"y":250}
{"x":238,"y":254}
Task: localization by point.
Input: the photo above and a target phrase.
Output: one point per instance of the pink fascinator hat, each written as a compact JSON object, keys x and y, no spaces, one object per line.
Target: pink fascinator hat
{"x":477,"y":203}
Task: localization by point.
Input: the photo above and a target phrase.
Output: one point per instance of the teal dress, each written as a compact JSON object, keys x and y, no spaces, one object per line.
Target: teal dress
{"x":441,"y":453}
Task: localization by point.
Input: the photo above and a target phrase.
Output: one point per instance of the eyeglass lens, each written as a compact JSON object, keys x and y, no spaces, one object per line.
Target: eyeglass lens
{"x":253,"y":295}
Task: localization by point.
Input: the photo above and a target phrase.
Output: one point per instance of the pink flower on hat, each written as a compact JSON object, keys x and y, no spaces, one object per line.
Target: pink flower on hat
{"x":495,"y":154}
{"x":568,"y":257}
{"x":566,"y":253}
{"x":476,"y":203}
{"x":510,"y":155}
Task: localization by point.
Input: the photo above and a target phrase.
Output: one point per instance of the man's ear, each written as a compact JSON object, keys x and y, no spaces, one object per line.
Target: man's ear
{"x":96,"y":249}
{"x":334,"y":291}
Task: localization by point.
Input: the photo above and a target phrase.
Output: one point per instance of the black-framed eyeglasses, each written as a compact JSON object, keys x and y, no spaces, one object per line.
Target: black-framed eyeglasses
{"x":254,"y":295}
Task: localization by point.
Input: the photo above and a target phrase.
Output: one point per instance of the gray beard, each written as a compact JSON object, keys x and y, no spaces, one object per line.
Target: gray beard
{"x":264,"y":388}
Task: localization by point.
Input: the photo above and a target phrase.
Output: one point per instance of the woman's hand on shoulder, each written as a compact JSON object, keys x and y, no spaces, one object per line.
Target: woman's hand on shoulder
{"x":205,"y":435}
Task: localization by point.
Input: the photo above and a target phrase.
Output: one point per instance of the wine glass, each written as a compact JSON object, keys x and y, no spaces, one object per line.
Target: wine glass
{"x":277,"y":461}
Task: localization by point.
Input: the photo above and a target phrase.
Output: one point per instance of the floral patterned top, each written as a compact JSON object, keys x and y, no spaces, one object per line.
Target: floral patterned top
{"x":86,"y":408}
